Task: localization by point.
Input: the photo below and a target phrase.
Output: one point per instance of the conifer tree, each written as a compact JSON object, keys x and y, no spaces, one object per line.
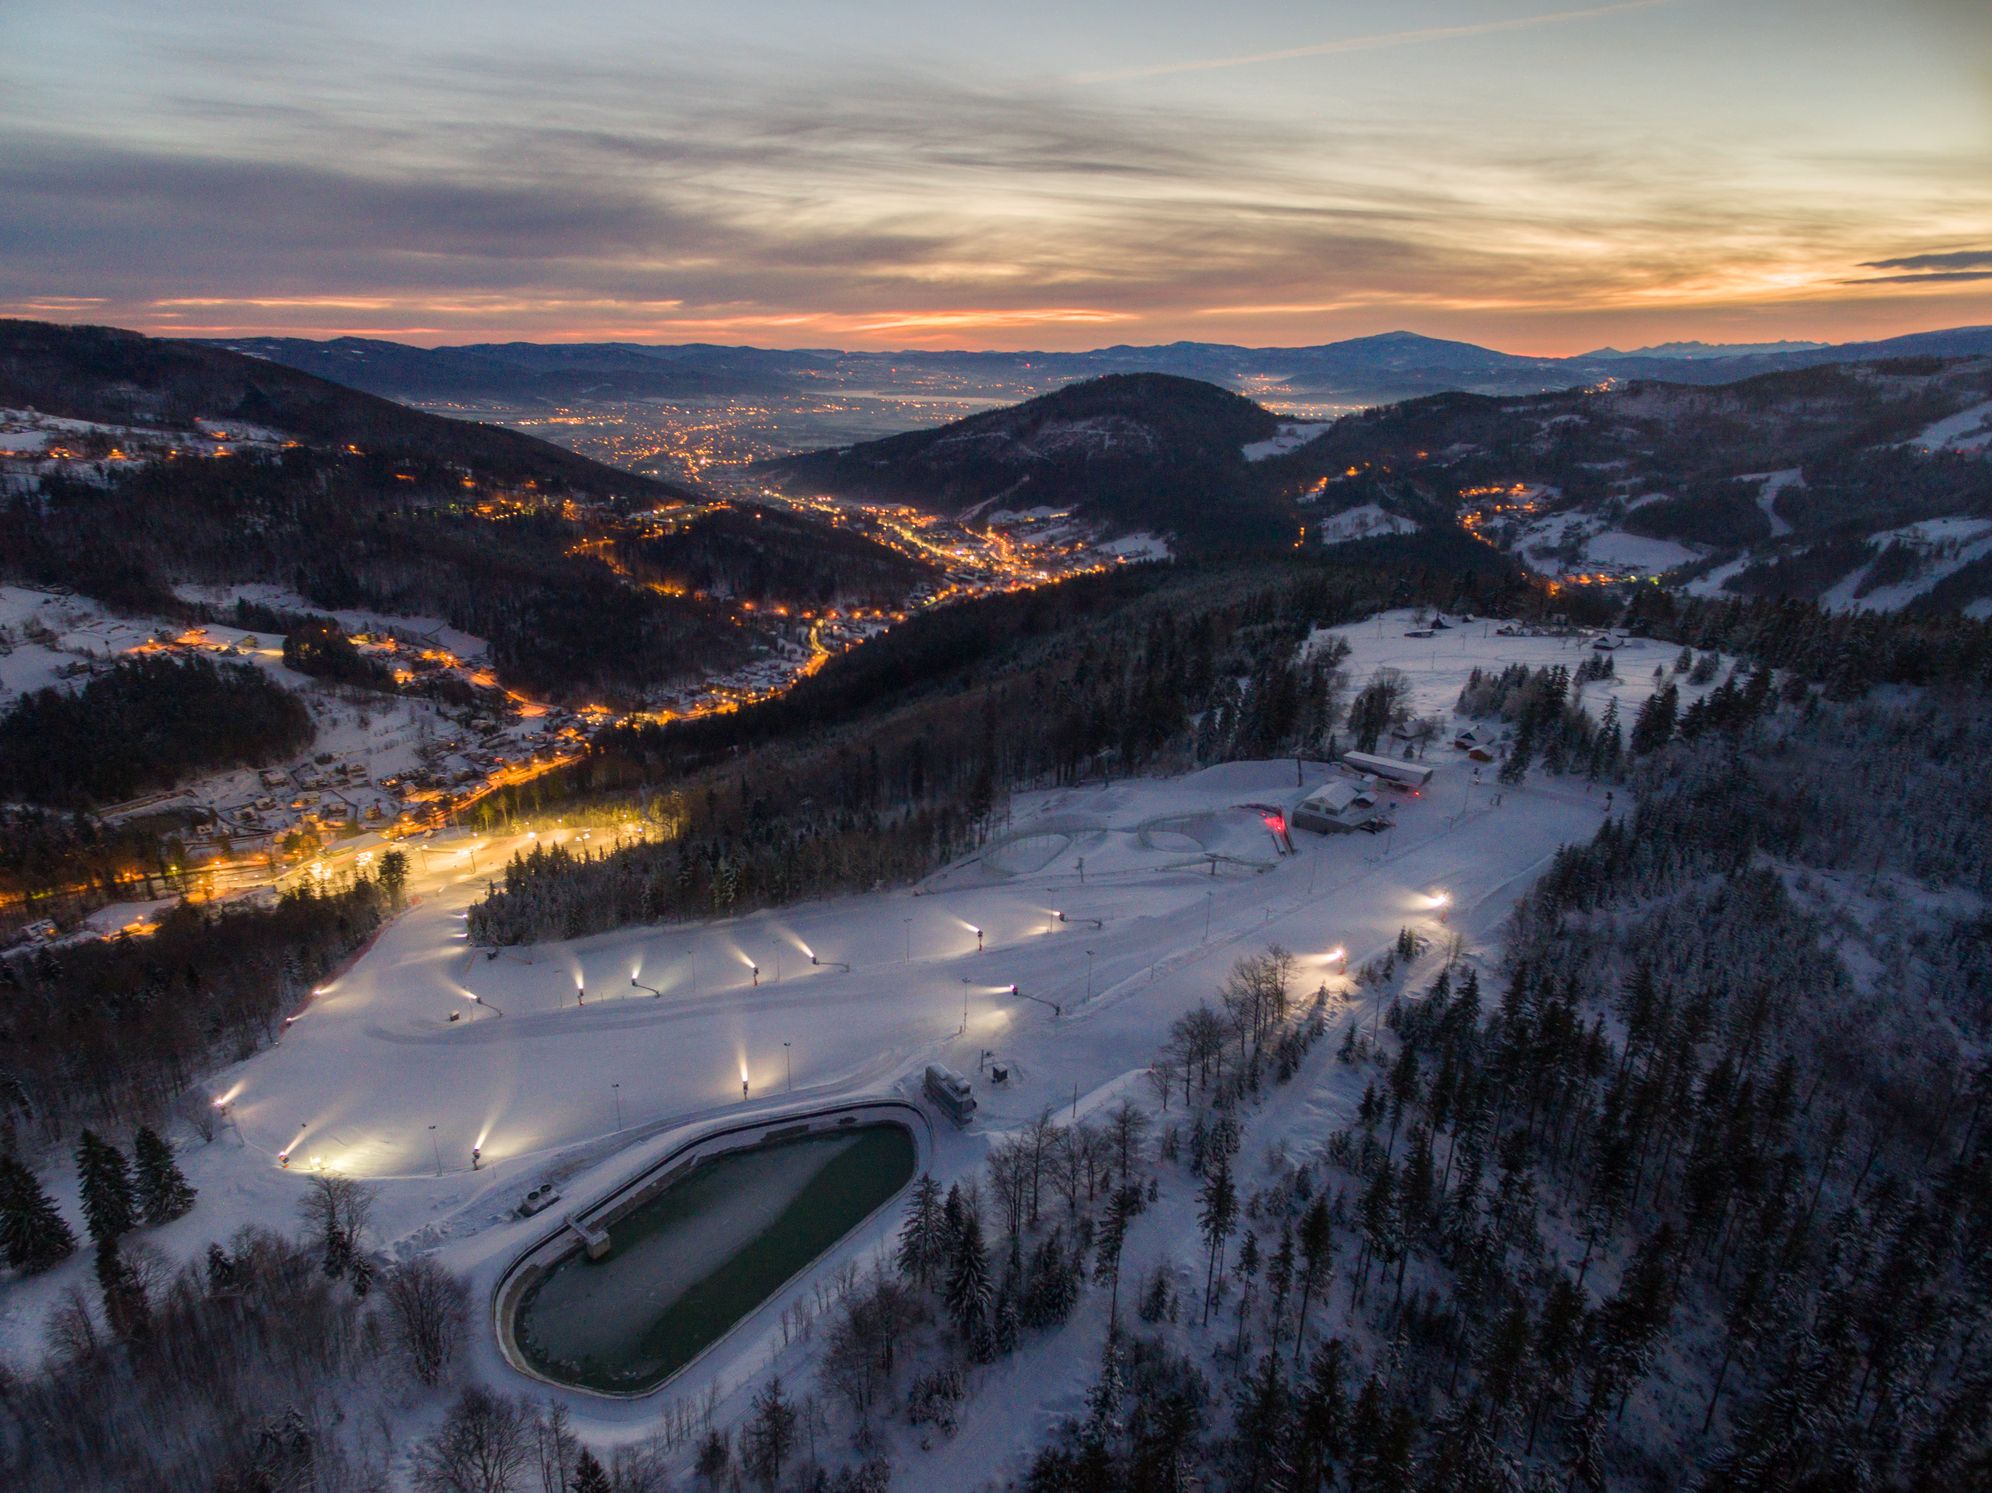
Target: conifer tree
{"x":1315,"y":1265}
{"x":1247,"y":1270}
{"x":1279,"y":1285}
{"x":923,"y":1237}
{"x":125,"y":1306}
{"x":769,"y":1435}
{"x":1262,"y":1429}
{"x":1322,"y":1418}
{"x":1653,"y":727}
{"x":33,"y":1235}
{"x":589,"y":1475}
{"x":1107,"y":1244}
{"x":1109,"y":1391}
{"x":1005,"y":1330}
{"x":1217,"y":1216}
{"x":163,"y":1190}
{"x":969,"y":1290}
{"x":109,"y":1207}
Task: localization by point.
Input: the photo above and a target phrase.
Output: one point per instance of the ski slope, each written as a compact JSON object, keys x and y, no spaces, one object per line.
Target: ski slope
{"x":558,"y":1069}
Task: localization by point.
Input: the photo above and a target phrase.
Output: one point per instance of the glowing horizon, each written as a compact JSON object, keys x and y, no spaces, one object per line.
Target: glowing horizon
{"x":1540,"y":179}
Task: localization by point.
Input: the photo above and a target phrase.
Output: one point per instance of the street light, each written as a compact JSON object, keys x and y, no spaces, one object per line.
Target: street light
{"x":1089,"y":974}
{"x":616,"y":1090}
{"x":788,"y":1061}
{"x":908,"y":922}
{"x":436,"y":1146}
{"x":637,"y":984}
{"x":755,"y":970}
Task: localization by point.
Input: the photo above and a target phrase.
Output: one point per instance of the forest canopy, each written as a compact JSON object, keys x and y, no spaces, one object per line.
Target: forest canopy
{"x":146,"y":724}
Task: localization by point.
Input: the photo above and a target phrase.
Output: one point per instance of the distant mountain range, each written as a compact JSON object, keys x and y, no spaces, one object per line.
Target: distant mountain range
{"x":1855,"y":484}
{"x":1693,"y":350}
{"x":1361,"y":370}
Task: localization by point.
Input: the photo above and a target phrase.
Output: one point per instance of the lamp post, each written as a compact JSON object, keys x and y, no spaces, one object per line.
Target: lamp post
{"x":616,"y":1090}
{"x":436,"y":1146}
{"x":1207,"y":904}
{"x":1089,"y":974}
{"x":978,"y":940}
{"x":754,"y":970}
{"x":788,"y":1062}
{"x":908,"y":924}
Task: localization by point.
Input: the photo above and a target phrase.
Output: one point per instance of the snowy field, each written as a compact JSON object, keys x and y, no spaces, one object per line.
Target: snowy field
{"x":560,"y":1070}
{"x":1289,"y":437}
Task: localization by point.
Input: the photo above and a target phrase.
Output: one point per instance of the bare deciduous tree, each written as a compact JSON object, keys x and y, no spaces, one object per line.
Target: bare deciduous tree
{"x":427,"y":1308}
{"x":484,"y":1446}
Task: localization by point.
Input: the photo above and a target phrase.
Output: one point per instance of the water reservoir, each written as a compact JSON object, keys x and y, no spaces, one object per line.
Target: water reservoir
{"x":693,"y":1257}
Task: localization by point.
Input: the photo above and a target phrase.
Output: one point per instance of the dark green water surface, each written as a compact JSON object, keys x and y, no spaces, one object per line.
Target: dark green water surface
{"x":689,"y":1263}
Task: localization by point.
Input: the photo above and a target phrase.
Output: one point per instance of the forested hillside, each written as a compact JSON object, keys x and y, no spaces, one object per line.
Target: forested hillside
{"x":1131,"y":451}
{"x":1694,"y":1192}
{"x":1691,"y":1189}
{"x":145,"y":724}
{"x":897,"y":756}
{"x":1840,"y":482}
{"x":353,"y":502}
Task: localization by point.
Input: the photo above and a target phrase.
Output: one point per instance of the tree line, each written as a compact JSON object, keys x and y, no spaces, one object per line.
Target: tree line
{"x":900,"y":756}
{"x":121,"y":1029}
{"x":146,"y":723}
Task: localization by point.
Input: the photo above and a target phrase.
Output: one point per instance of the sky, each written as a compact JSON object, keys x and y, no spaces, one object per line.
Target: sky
{"x":1540,"y":177}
